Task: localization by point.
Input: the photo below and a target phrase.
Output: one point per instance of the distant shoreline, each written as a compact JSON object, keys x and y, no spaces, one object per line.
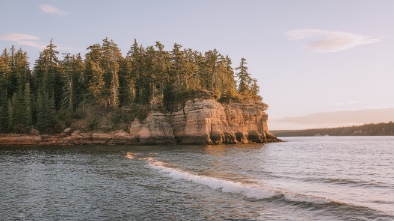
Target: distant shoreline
{"x":379,"y":129}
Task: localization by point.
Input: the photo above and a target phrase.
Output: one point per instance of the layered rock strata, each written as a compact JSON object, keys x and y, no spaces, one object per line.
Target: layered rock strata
{"x":198,"y":121}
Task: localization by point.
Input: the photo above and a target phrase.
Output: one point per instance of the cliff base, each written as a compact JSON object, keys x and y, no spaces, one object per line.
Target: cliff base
{"x":198,"y":121}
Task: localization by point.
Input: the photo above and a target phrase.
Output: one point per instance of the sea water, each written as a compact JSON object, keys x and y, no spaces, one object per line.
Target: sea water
{"x":304,"y":178}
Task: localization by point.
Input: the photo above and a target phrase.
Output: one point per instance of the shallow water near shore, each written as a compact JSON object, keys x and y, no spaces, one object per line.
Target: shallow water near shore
{"x":305,"y":178}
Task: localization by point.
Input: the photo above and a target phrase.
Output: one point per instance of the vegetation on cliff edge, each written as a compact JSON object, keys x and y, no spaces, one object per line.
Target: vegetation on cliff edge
{"x":106,"y":90}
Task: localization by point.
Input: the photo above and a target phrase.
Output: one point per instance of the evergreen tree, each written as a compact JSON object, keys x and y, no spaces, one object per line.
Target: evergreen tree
{"x":244,"y":78}
{"x":254,"y":89}
{"x":12,"y":77}
{"x":94,"y":73}
{"x":79,"y":79}
{"x":4,"y":72}
{"x":161,"y":67}
{"x":74,"y":82}
{"x":133,"y":57}
{"x":68,"y":90}
{"x":20,"y":67}
{"x":47,"y":73}
{"x":126,"y":83}
{"x":110,"y":64}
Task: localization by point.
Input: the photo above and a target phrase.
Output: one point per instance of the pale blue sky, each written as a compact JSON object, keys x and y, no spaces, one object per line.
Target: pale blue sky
{"x":308,"y":56}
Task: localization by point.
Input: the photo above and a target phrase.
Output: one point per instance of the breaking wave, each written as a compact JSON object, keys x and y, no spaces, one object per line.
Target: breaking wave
{"x":259,"y":191}
{"x":248,"y":190}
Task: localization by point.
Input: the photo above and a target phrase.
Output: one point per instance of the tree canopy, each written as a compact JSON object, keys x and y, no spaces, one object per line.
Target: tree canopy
{"x":59,"y":90}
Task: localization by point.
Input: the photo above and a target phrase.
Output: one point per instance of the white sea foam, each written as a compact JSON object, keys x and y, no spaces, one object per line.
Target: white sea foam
{"x":227,"y":186}
{"x":215,"y":183}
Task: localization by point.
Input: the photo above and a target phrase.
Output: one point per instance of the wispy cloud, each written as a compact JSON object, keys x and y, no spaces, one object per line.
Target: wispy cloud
{"x":31,"y":41}
{"x":48,"y":9}
{"x":22,"y":39}
{"x":329,"y":41}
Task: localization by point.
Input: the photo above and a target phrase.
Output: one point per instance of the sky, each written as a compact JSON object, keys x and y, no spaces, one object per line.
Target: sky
{"x":318,"y":63}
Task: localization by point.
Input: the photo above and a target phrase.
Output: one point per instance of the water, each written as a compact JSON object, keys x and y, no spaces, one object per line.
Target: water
{"x":315,"y":178}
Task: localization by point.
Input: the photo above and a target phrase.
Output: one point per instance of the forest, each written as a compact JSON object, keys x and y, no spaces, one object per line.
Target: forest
{"x":379,"y":129}
{"x":106,"y":90}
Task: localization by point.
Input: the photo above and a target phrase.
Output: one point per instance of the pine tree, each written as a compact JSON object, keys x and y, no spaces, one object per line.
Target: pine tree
{"x":79,"y":79}
{"x":126,"y":83}
{"x":254,"y":89}
{"x":177,"y":68}
{"x":94,"y":73}
{"x":134,"y":58}
{"x":47,"y":73}
{"x":244,"y":78}
{"x":68,"y":90}
{"x":161,"y":67}
{"x":21,"y":68}
{"x":4,"y":71}
{"x":110,"y":64}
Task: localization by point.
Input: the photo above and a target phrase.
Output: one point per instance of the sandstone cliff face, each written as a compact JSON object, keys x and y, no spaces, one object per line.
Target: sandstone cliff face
{"x":205,"y":121}
{"x":199,"y":121}
{"x":155,"y":129}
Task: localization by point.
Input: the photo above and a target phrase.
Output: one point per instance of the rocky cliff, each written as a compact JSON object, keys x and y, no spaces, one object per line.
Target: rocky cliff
{"x":198,"y":121}
{"x":205,"y":121}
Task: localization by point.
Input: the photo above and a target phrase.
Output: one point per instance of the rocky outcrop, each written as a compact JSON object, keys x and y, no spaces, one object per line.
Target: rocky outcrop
{"x":155,"y":129}
{"x":198,"y":121}
{"x":202,"y":122}
{"x":205,"y":121}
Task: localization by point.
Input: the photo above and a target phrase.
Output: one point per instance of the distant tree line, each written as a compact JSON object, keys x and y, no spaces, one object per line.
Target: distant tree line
{"x":379,"y":129}
{"x":59,"y":91}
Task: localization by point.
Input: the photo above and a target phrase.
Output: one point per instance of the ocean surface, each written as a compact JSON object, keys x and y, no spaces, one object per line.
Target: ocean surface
{"x":305,"y":178}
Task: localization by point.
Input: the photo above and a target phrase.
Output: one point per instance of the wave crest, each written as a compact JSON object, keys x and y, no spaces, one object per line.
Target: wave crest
{"x":247,"y":190}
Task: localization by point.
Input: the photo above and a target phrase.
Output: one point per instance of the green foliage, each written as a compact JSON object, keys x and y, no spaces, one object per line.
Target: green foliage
{"x":28,"y":118}
{"x":106,"y":90}
{"x":17,"y":115}
{"x":46,"y":113}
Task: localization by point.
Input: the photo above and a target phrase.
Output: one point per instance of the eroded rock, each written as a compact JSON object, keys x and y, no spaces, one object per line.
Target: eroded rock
{"x":199,"y":121}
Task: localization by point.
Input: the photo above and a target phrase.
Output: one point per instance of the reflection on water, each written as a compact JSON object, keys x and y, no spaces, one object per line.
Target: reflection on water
{"x":217,"y":150}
